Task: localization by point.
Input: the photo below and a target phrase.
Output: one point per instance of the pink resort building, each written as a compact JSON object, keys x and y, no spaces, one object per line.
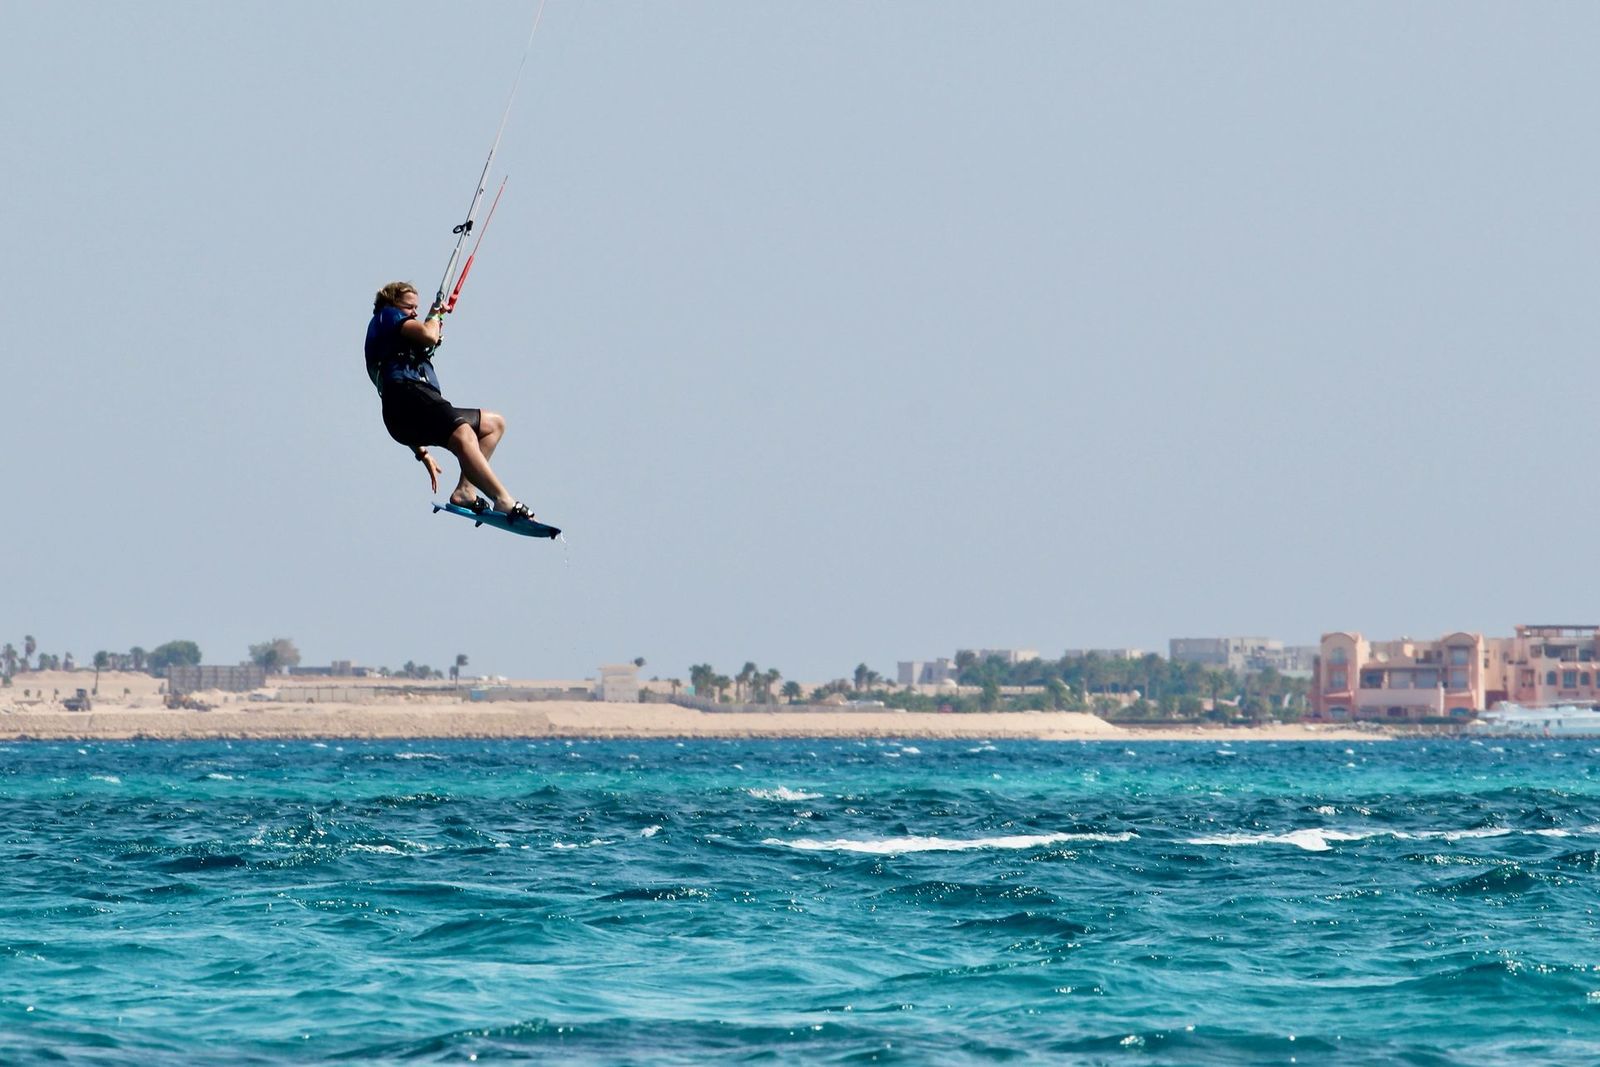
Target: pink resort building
{"x":1455,"y":676}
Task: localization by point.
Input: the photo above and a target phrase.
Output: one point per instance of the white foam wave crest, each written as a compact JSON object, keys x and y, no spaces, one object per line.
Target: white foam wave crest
{"x":1314,"y":839}
{"x":891,"y":846}
{"x":783,"y":793}
{"x":1320,"y":839}
{"x":218,"y":776}
{"x":410,"y":847}
{"x":566,"y":846}
{"x":650,"y":831}
{"x":417,"y":755}
{"x":110,"y":778}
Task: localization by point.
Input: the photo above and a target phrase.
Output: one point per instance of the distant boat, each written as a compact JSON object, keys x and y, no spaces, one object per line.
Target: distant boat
{"x":1514,"y":720}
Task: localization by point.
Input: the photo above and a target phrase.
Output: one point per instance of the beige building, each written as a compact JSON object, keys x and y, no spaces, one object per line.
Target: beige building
{"x":1552,"y":664}
{"x":1455,"y":676}
{"x":618,"y":683}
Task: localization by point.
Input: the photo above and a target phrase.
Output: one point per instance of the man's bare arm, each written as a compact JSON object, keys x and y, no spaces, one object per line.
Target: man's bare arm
{"x":433,"y":468}
{"x":428,"y":331}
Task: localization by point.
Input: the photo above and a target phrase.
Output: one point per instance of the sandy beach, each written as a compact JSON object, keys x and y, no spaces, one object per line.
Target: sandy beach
{"x":33,"y":711}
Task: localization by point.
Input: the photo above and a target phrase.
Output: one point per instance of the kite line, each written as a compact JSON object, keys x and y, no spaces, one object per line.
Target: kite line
{"x":465,"y":229}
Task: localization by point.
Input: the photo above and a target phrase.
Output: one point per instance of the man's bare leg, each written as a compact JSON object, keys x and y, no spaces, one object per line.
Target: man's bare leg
{"x":491,"y":427}
{"x":475,"y":468}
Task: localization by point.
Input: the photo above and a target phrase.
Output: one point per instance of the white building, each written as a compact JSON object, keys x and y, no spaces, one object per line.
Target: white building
{"x":927,"y":672}
{"x":1244,"y":655}
{"x":618,"y":684}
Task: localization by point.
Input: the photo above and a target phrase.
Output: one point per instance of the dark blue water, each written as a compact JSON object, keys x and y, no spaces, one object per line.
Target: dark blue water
{"x":800,"y":902}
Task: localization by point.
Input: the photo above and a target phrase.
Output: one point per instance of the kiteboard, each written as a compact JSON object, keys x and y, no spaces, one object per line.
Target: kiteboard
{"x":498,"y":519}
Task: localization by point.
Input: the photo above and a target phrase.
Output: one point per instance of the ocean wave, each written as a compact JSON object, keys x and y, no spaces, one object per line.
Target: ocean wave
{"x":1321,"y":838}
{"x":655,"y":893}
{"x":387,"y":849}
{"x":1587,"y":859}
{"x":201,"y":861}
{"x":1033,"y":923}
{"x":1510,"y":878}
{"x":783,"y":793}
{"x":893,"y":846}
{"x":1312,"y":839}
{"x":566,"y":846}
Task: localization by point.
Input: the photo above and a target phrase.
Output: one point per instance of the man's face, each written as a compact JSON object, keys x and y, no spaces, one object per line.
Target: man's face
{"x":408,"y":303}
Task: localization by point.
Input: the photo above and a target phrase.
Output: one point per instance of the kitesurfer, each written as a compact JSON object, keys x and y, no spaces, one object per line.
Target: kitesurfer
{"x":399,"y":354}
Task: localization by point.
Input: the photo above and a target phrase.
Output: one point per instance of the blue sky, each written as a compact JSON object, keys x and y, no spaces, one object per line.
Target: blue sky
{"x":830,"y":332}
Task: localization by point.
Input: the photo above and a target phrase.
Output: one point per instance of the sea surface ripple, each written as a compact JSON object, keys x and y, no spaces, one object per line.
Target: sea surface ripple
{"x":800,"y":902}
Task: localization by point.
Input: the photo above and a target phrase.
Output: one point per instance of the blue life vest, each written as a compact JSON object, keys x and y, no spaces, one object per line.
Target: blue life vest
{"x":391,"y":357}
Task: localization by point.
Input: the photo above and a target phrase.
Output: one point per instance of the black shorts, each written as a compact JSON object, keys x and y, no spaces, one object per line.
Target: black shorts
{"x":415,"y":414}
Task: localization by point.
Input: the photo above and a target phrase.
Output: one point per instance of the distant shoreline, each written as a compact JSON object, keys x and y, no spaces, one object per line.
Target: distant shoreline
{"x":411,"y":720}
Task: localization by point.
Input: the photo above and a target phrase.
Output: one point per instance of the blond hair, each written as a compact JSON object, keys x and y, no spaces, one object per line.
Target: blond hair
{"x":390,"y":295}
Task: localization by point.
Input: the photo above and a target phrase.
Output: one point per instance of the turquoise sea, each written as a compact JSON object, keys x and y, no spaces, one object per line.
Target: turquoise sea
{"x":800,"y":902}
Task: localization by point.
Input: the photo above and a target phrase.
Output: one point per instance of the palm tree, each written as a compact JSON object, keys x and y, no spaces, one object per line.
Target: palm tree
{"x":741,"y":683}
{"x":136,"y":657}
{"x":638,"y":661}
{"x":700,"y":677}
{"x":8,"y":659}
{"x":29,"y":647}
{"x":455,"y":671}
{"x":863,"y":674}
{"x":769,"y":678}
{"x":676,"y":685}
{"x":791,"y":691}
{"x":102,"y":661}
{"x":1216,"y":681}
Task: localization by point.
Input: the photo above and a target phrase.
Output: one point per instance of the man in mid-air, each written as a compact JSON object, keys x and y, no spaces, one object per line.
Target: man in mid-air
{"x":399,"y":354}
